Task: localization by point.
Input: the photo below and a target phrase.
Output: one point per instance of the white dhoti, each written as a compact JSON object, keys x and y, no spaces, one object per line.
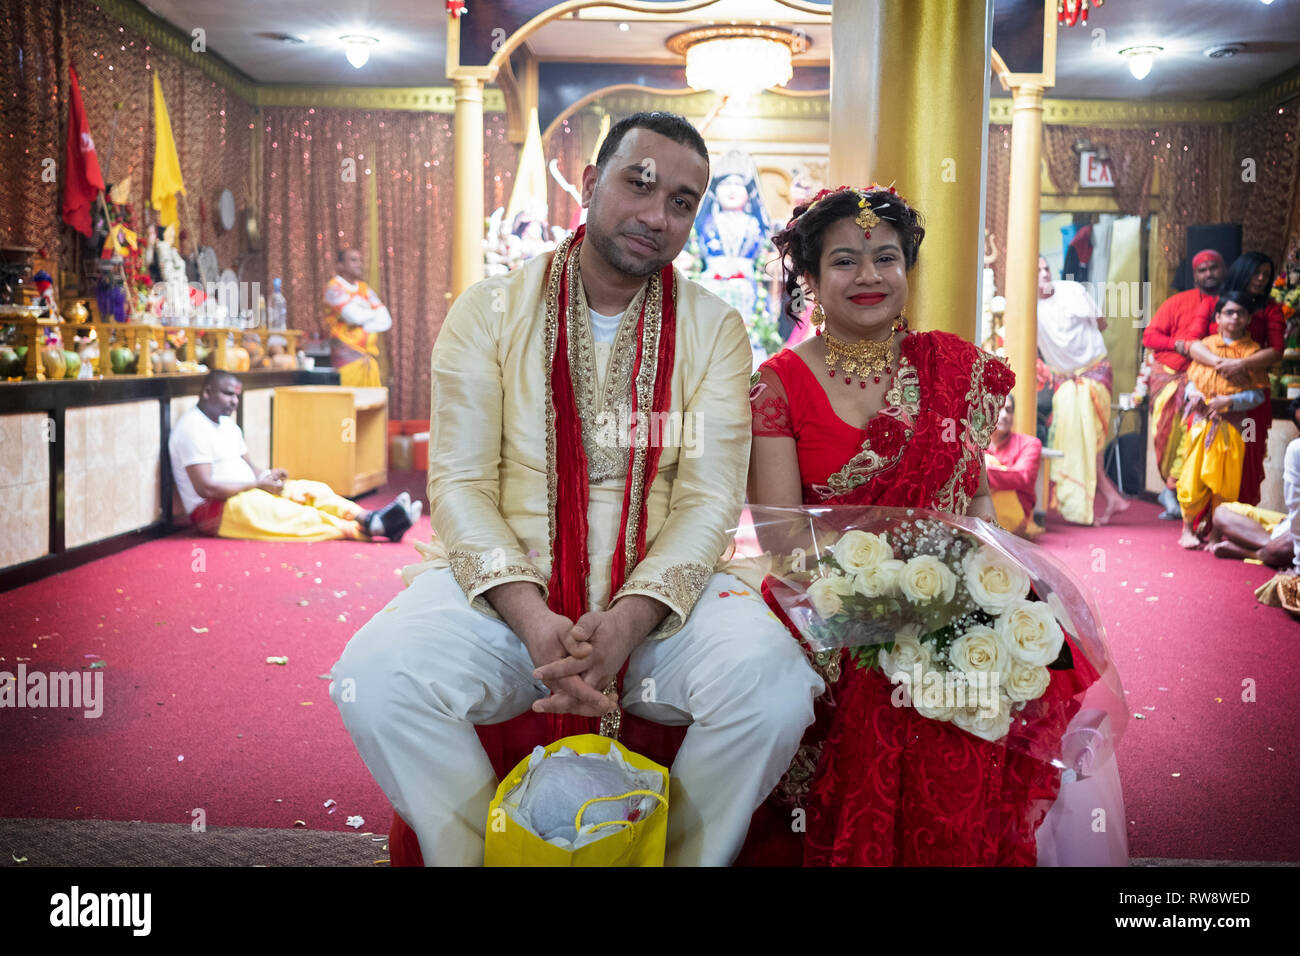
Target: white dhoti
{"x":428,"y":668}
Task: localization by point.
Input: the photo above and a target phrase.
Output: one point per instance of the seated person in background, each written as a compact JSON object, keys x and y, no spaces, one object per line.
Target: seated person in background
{"x":1270,"y":537}
{"x":1213,"y":448}
{"x":226,"y":496}
{"x":1012,"y":465}
{"x":355,"y":317}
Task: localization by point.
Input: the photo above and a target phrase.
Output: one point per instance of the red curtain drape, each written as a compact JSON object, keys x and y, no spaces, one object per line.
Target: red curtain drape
{"x":314,"y":206}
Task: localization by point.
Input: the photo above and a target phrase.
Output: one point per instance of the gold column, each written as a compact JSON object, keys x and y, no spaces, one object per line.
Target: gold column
{"x":467,"y":247}
{"x":907,"y":107}
{"x":1021,"y":319}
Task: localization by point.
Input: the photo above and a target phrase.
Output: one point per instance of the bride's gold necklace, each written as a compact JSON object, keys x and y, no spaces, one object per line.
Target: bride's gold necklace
{"x":859,"y":358}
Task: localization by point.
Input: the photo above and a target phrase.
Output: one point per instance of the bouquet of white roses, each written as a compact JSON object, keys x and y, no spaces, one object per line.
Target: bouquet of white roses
{"x":970,"y":622}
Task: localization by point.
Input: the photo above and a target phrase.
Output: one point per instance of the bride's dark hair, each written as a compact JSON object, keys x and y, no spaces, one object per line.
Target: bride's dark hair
{"x":800,"y":243}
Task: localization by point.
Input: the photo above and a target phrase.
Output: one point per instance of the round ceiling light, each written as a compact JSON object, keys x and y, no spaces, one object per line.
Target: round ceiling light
{"x":1141,"y":59}
{"x":357,"y":48}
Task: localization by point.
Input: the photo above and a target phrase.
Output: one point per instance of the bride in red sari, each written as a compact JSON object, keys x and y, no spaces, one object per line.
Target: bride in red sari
{"x":869,"y":413}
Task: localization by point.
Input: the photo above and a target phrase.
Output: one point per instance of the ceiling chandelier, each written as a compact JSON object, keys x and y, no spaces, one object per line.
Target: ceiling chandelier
{"x":738,"y":60}
{"x":1070,"y":12}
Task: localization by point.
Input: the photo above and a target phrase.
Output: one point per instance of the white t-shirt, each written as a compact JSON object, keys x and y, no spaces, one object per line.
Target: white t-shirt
{"x":1068,"y":337}
{"x":604,"y":327}
{"x":198,"y":440}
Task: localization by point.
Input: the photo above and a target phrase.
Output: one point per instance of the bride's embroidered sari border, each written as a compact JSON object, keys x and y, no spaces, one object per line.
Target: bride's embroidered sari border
{"x":982,"y":408}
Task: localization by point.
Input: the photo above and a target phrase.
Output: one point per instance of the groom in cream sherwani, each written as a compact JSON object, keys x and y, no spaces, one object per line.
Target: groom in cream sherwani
{"x":560,"y":554}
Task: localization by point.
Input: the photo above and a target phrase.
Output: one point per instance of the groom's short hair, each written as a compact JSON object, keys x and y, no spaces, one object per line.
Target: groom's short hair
{"x":677,"y":128}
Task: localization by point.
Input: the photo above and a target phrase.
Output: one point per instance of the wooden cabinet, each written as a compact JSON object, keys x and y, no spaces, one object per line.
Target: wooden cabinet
{"x":332,"y":434}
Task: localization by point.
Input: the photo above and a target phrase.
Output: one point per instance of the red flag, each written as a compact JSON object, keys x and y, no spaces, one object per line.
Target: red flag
{"x":82,"y":180}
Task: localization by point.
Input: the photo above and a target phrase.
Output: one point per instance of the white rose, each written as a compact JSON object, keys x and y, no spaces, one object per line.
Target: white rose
{"x":858,"y":550}
{"x":1027,"y":681}
{"x":926,"y":579}
{"x":879,"y":580}
{"x":827,"y":593}
{"x":1030,"y":632}
{"x":979,"y":651}
{"x":994,"y":581}
{"x":933,"y":698}
{"x":975,"y":720}
{"x":908,"y":652}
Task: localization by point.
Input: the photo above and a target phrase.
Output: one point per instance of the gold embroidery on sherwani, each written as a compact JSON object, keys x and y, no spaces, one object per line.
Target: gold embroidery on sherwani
{"x":552,"y":333}
{"x":982,"y":409}
{"x":601,"y":413}
{"x":902,"y":401}
{"x":471,"y":571}
{"x":680,"y":586}
{"x":645,"y":391}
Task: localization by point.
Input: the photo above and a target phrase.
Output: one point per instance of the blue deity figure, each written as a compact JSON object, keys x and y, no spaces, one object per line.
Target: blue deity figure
{"x":731,"y":240}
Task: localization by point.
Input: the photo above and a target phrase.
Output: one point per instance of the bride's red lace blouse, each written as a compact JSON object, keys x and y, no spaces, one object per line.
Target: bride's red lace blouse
{"x":891,"y":787}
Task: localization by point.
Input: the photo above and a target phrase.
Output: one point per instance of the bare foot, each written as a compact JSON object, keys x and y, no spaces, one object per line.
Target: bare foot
{"x":1228,"y":550}
{"x":1109,"y":508}
{"x":1189,"y":540}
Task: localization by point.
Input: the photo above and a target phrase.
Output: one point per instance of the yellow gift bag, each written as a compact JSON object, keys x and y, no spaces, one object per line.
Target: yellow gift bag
{"x":629,"y":844}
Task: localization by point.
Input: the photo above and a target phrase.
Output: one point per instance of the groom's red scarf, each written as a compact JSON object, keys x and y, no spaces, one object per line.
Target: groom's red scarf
{"x":651,"y":385}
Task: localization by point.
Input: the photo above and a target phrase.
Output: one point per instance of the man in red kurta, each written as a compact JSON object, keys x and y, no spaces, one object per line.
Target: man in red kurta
{"x":1181,"y":320}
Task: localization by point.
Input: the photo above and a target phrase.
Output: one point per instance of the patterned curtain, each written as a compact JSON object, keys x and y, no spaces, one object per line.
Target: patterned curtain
{"x":1269,"y":207}
{"x":570,"y":151}
{"x":996,"y":199}
{"x":311,"y":211}
{"x":1191,"y":187}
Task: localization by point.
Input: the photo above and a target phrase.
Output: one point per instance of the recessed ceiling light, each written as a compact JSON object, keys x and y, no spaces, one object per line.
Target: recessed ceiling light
{"x":624,"y":27}
{"x":1224,"y":50}
{"x":357,"y":48}
{"x":291,"y":38}
{"x":1141,"y":59}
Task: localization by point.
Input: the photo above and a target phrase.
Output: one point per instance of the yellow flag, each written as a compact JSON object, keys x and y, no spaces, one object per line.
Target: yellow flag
{"x":167,"y":180}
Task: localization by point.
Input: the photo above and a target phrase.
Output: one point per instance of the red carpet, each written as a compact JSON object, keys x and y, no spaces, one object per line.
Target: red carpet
{"x":263,"y":746}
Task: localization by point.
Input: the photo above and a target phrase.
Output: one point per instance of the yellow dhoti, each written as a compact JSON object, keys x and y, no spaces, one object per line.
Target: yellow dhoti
{"x":1080,"y":418}
{"x":305,"y":511}
{"x":1210,"y":475}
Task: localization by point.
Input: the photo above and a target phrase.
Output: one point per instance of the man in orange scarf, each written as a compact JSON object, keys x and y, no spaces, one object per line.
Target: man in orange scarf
{"x":1213,"y":451}
{"x":355,"y":317}
{"x":1181,"y":320}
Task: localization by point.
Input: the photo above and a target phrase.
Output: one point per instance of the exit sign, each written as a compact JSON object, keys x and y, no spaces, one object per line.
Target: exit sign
{"x":1093,"y":173}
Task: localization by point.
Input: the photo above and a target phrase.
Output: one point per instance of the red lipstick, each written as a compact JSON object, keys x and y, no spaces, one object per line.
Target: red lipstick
{"x":868,"y":298}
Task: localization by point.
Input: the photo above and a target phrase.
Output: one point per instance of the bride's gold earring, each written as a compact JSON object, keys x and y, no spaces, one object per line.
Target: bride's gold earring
{"x":818,"y":317}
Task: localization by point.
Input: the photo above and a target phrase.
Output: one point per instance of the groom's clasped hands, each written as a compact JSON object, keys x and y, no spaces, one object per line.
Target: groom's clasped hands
{"x":577,"y":661}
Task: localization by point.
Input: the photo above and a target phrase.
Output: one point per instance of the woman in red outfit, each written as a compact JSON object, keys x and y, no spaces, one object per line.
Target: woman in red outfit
{"x":1254,"y":272}
{"x":868,"y":413}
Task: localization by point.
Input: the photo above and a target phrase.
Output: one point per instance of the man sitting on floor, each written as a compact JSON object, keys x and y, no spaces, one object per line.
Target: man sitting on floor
{"x":1245,"y":531}
{"x":225,"y":494}
{"x":1012,"y":464}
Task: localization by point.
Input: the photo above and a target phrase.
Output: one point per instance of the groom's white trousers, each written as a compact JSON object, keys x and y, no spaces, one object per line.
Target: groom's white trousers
{"x":428,"y":667}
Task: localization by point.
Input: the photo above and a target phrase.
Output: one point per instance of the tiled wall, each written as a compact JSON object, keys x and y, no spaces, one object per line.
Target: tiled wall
{"x":24,"y":487}
{"x":111,"y":470}
{"x":257,"y":425}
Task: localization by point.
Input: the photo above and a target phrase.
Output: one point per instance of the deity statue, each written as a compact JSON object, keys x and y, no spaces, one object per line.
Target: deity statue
{"x":732,"y":231}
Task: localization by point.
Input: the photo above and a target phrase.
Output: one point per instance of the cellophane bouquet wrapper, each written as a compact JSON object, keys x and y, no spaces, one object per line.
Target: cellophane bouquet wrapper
{"x":973,"y":625}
